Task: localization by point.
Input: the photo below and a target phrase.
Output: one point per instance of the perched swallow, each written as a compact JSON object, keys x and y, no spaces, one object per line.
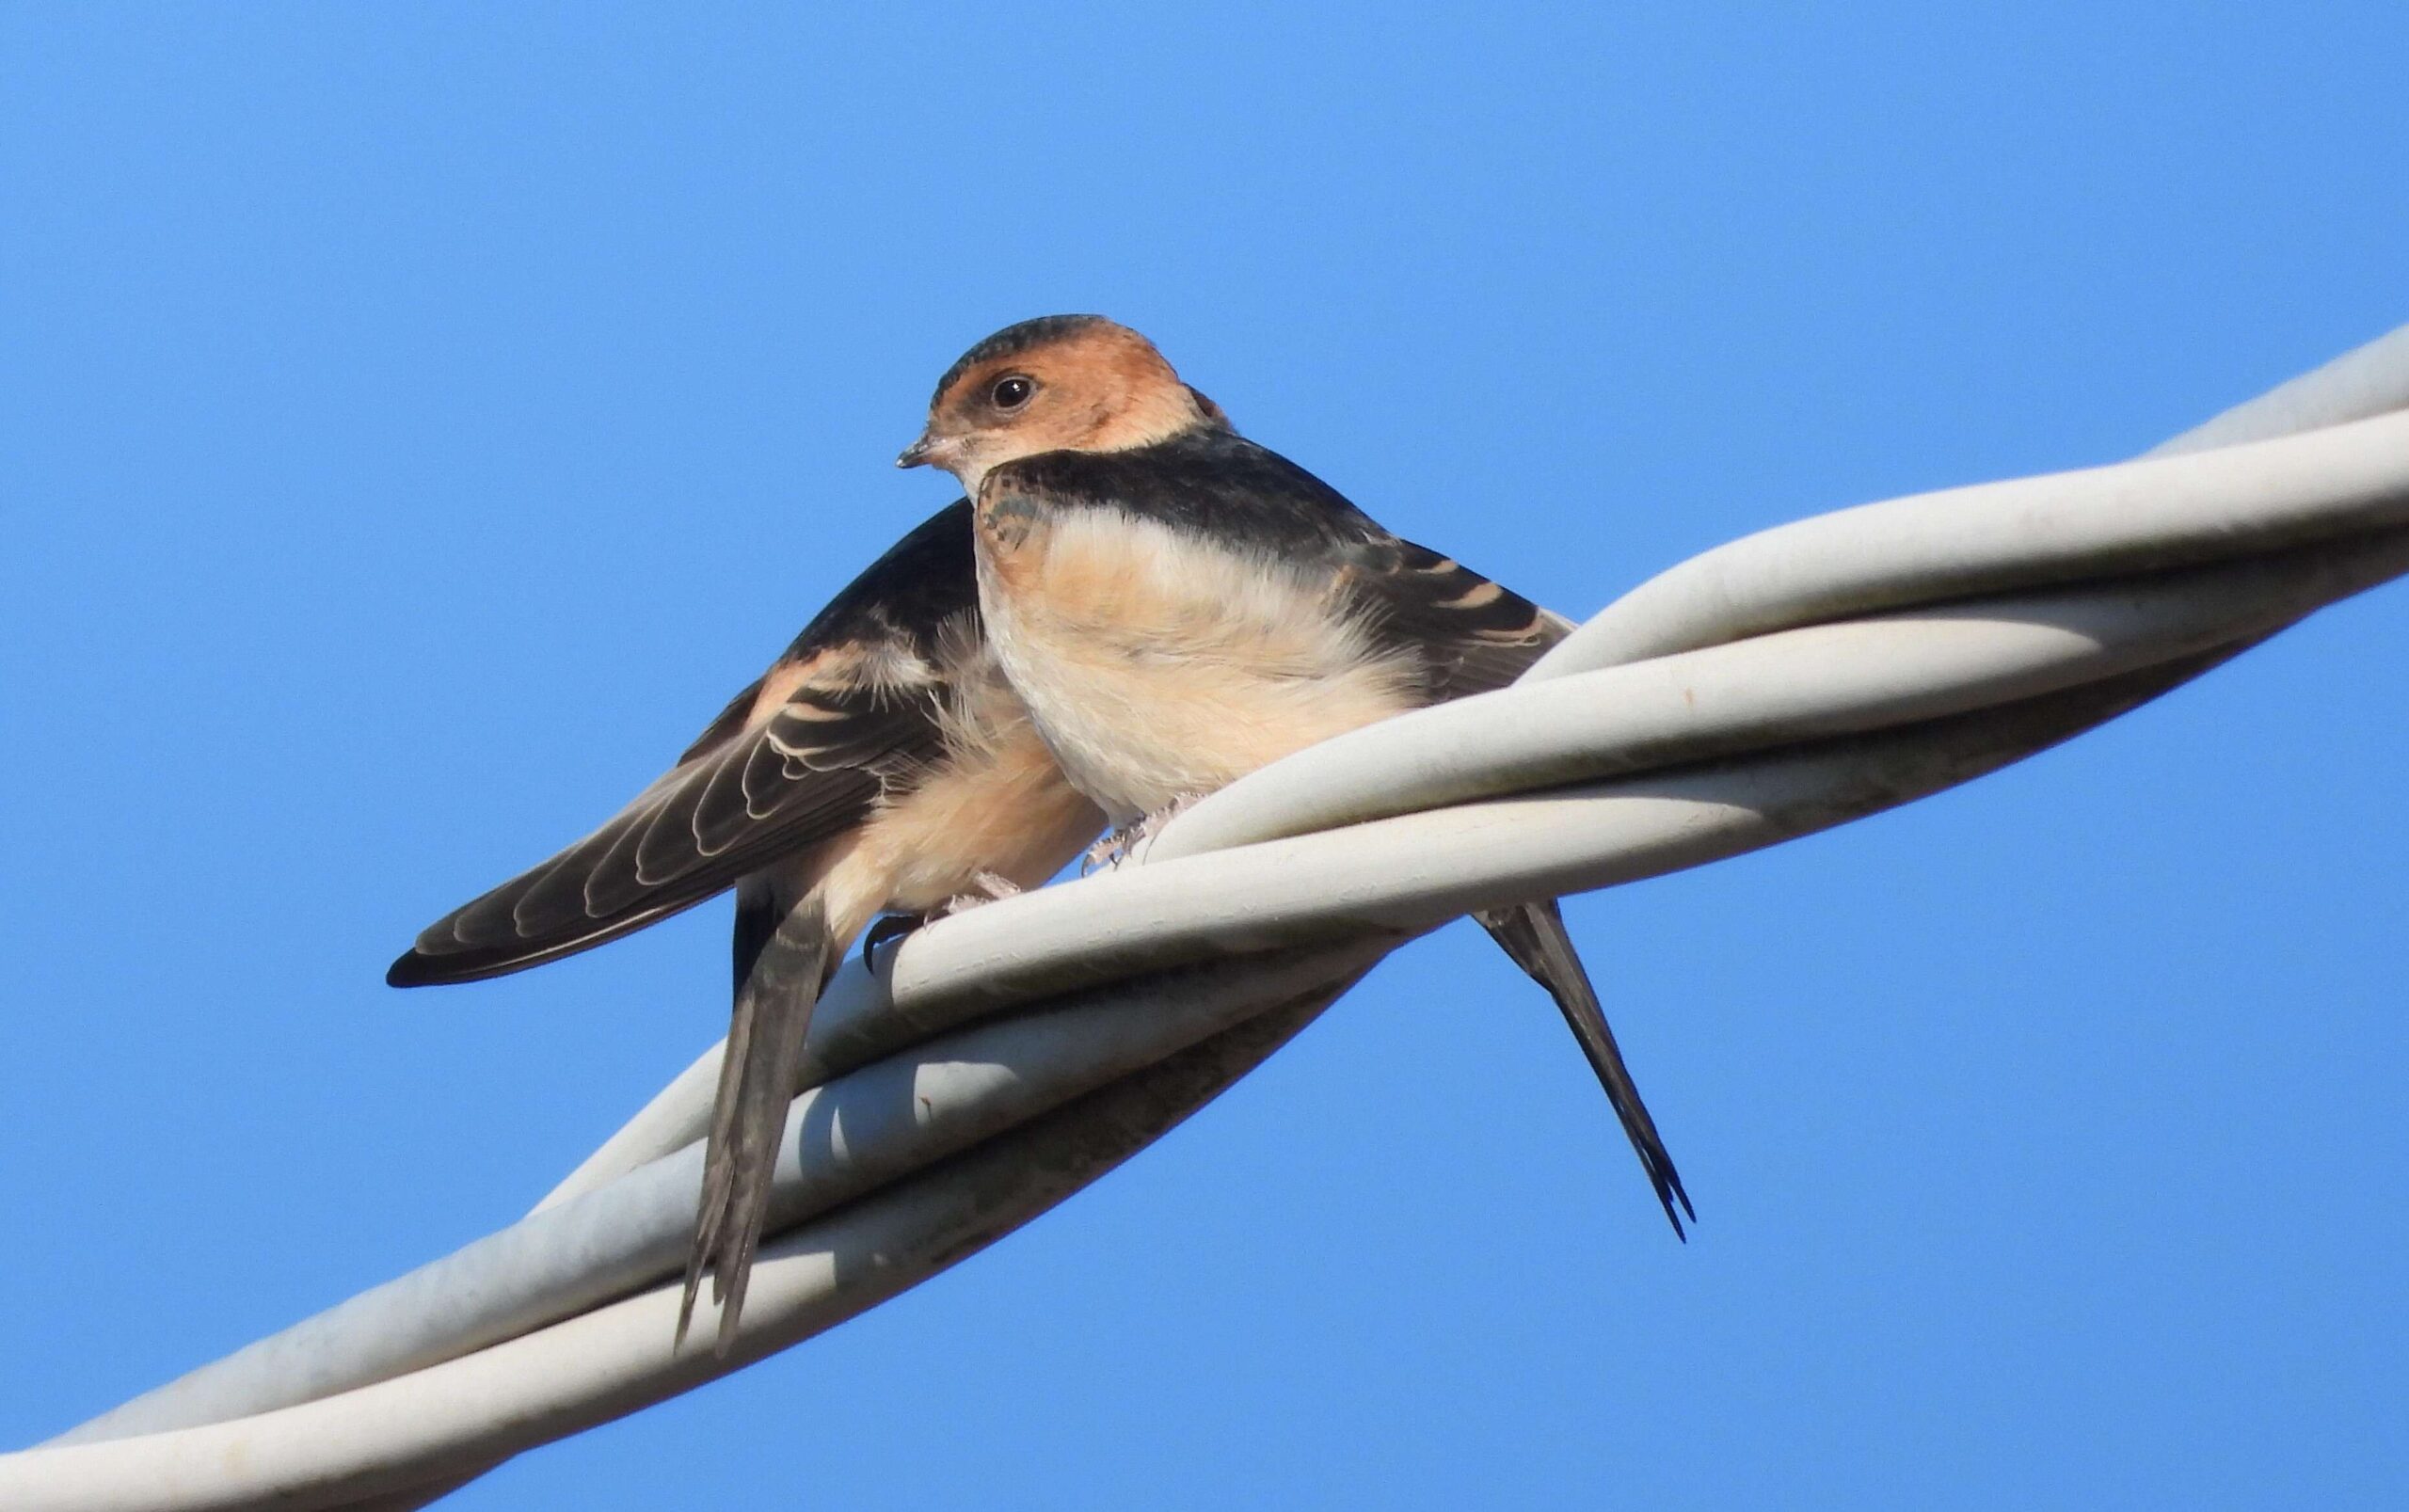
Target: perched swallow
{"x":1178,"y":605}
{"x":881,"y":765}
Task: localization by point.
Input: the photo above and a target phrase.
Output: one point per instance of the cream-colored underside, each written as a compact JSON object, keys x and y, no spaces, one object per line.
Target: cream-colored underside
{"x":1160,"y":665}
{"x":998,"y":803}
{"x":995,"y":803}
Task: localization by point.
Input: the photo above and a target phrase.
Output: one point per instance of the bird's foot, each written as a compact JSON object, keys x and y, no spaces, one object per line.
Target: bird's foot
{"x":1129,"y":842}
{"x":889,"y":927}
{"x":1107,"y":852}
{"x":986,"y":888}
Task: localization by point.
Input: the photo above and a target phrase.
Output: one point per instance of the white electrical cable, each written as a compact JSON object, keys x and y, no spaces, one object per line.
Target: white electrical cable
{"x":1786,"y":682}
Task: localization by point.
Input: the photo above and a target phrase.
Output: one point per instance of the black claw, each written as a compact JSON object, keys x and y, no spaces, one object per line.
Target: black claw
{"x":889,"y":927}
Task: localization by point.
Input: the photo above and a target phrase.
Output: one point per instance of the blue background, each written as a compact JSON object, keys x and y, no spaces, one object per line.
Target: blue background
{"x":418,"y":421}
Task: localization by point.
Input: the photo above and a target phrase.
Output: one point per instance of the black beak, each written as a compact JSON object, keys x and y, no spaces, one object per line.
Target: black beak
{"x":917,"y":454}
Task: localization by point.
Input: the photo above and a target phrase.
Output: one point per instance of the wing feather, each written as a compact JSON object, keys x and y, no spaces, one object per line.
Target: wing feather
{"x":1473,"y":635}
{"x":848,"y":716}
{"x":1470,"y":634}
{"x":690,"y":836}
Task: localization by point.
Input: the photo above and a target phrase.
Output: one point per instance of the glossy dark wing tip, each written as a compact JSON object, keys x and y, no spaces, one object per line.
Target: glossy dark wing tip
{"x":441,"y":959}
{"x":411,"y":970}
{"x":420,"y":968}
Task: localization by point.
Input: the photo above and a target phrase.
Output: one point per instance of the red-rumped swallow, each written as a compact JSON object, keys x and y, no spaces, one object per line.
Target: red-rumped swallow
{"x":881,"y":765}
{"x":1178,"y":605}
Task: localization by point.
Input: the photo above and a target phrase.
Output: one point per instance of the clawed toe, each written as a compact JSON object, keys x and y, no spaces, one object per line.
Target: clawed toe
{"x":985,"y":888}
{"x":890,"y":926}
{"x":990,"y":888}
{"x":1107,"y":852}
{"x":1129,"y":842}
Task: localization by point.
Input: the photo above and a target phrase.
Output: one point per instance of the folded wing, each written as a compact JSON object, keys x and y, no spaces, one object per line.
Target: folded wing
{"x":849,"y":715}
{"x":1473,"y":636}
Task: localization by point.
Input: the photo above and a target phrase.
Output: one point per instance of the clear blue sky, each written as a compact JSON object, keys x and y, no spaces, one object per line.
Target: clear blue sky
{"x":417,"y":420}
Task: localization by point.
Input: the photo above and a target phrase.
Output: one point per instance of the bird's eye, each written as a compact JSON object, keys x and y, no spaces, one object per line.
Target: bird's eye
{"x":1012,"y":392}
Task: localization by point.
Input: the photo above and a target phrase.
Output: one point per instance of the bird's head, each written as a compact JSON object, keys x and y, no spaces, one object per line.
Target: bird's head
{"x":1060,"y":383}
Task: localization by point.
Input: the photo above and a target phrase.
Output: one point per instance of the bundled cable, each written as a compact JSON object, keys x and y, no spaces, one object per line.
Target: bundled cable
{"x":1782,"y":684}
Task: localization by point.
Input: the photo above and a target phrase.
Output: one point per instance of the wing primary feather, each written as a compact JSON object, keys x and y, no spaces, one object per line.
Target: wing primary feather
{"x":805,"y":752}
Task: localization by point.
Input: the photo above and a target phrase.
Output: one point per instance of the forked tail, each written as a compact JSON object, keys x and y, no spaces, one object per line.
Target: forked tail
{"x":1533,"y":934}
{"x":783,"y":955}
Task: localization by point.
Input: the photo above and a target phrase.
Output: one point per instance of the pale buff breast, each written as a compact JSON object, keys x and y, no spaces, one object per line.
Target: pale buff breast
{"x":1160,"y":666}
{"x":996,"y":802}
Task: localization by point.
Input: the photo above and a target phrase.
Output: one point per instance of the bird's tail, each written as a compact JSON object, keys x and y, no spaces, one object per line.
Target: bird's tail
{"x":784,"y":953}
{"x":1533,"y":934}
